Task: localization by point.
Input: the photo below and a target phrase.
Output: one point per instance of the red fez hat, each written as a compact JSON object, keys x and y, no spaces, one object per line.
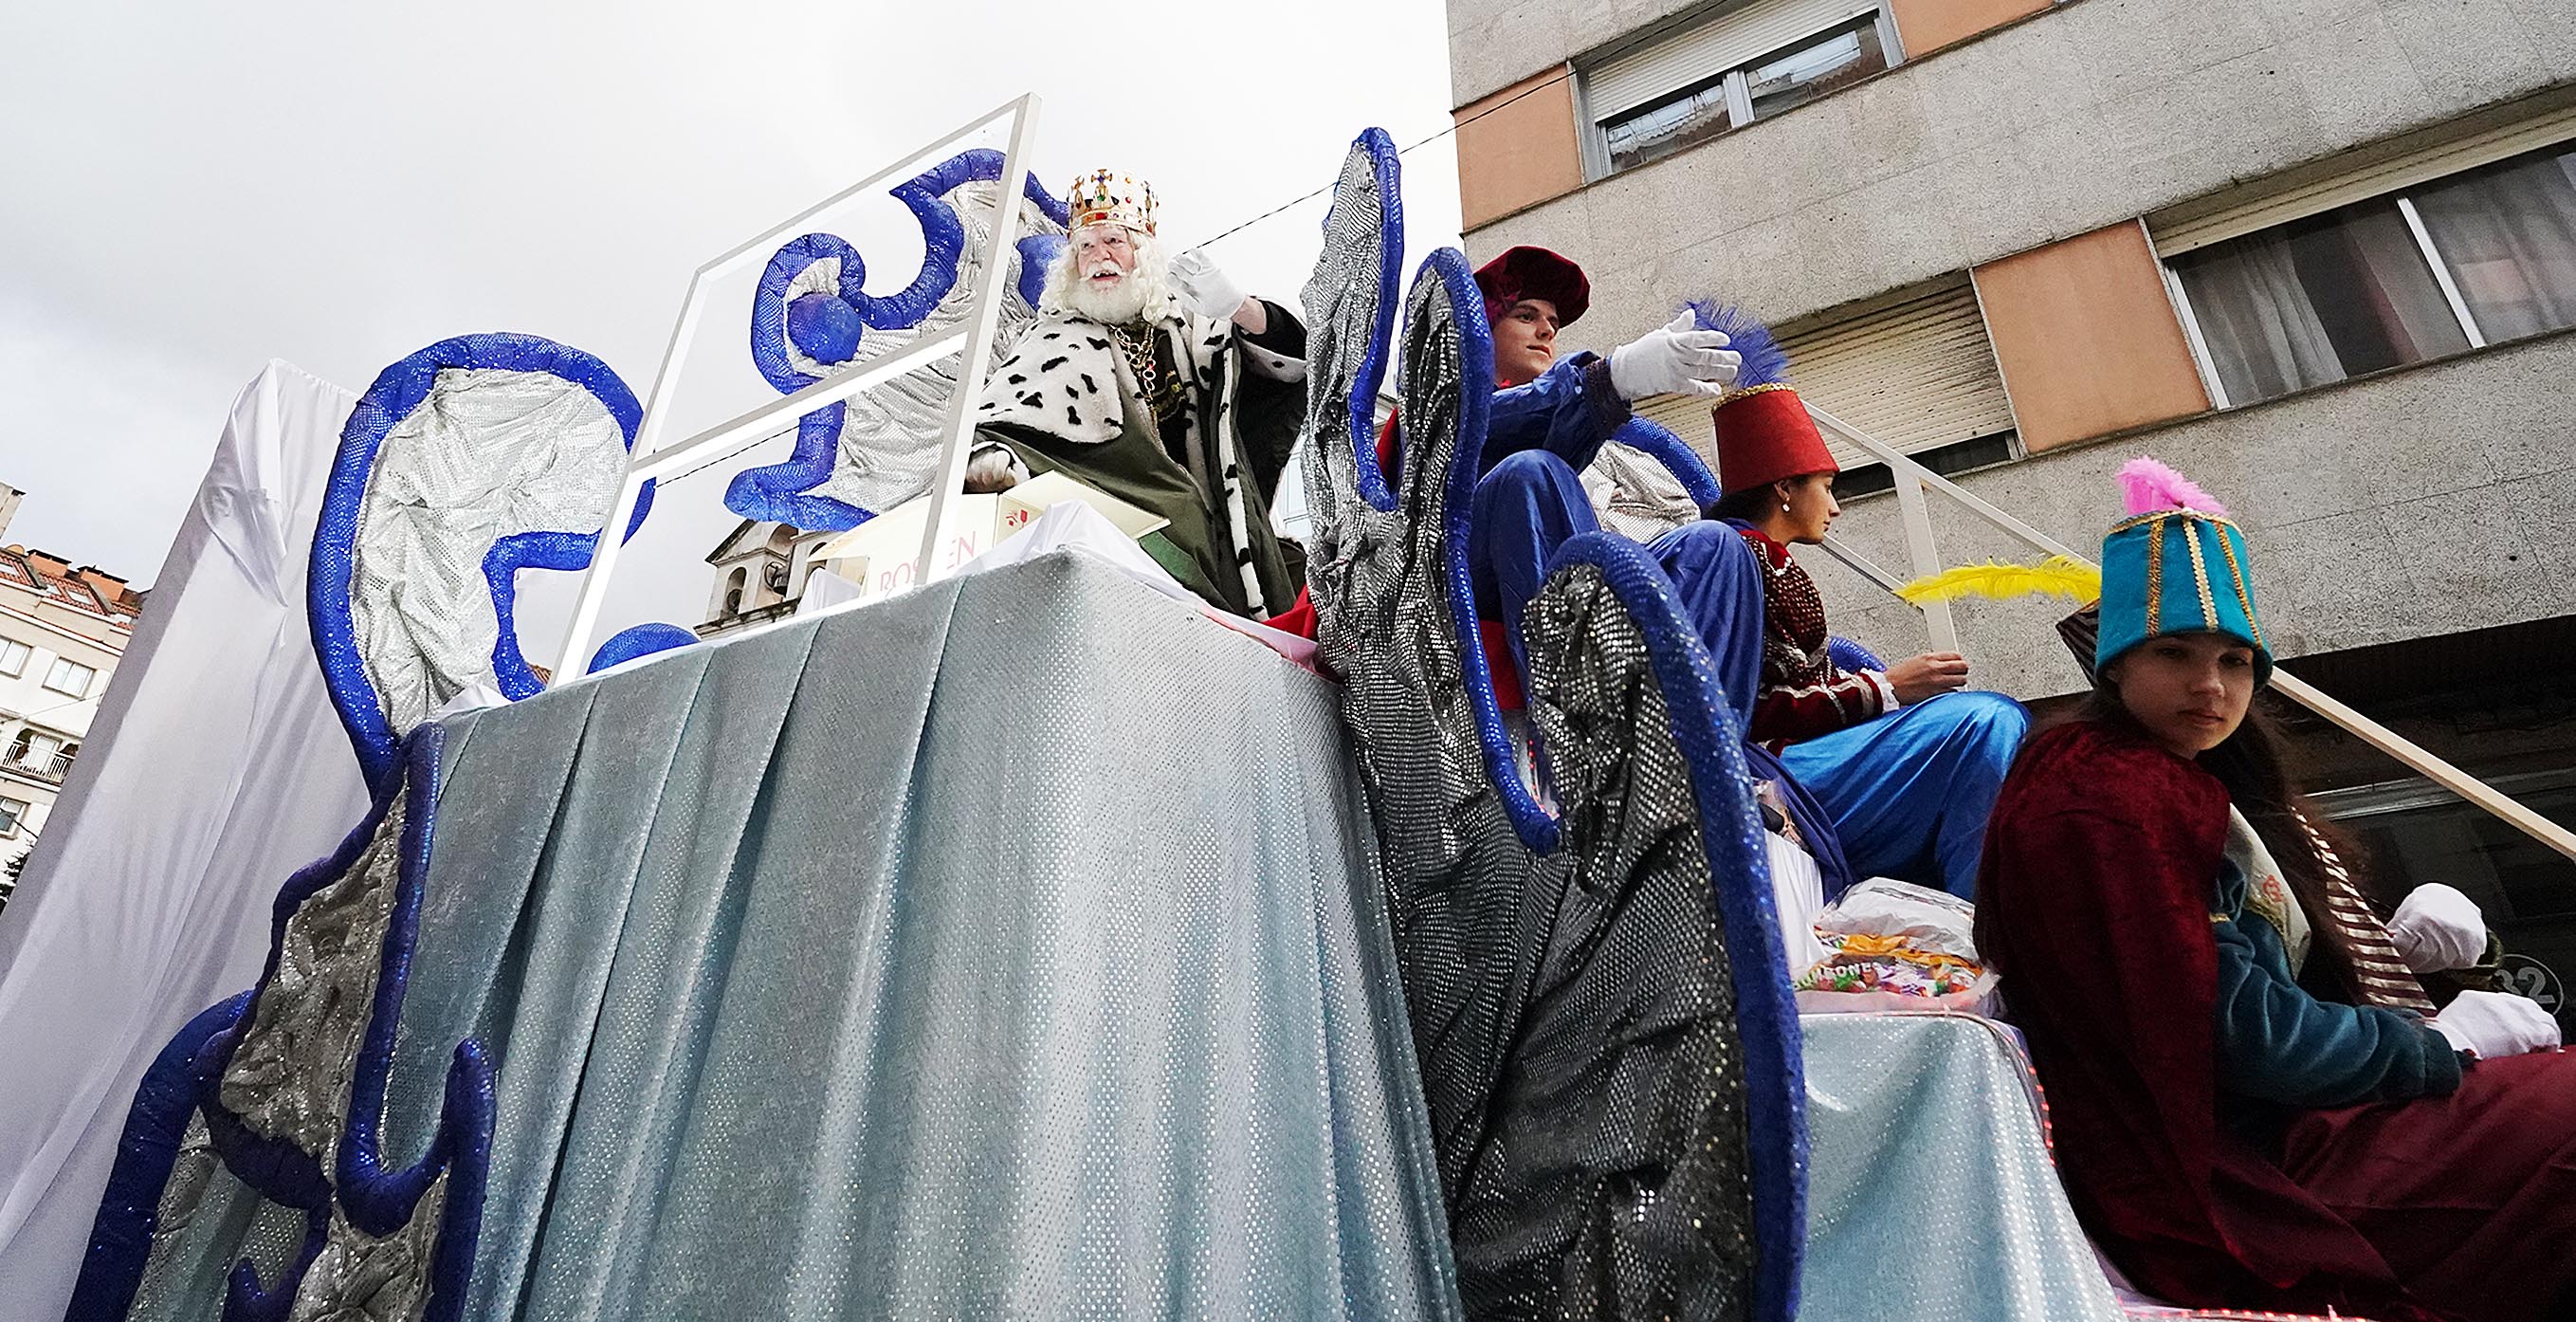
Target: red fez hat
{"x":1764,"y":435}
{"x":1530,"y":272}
{"x":1763,"y":431}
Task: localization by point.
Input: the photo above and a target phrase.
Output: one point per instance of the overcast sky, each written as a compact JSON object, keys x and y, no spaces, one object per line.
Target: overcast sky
{"x":188,"y":190}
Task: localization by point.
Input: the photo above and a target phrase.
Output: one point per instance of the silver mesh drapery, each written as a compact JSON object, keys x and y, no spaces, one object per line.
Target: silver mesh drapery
{"x":1572,"y":1010}
{"x":916,"y":962}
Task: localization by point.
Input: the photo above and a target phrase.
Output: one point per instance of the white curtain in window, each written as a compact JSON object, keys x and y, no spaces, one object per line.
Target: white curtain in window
{"x":2317,"y":301}
{"x":2509,"y":239}
{"x":2263,"y":334}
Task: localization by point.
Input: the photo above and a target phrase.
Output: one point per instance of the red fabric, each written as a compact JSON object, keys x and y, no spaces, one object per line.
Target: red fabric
{"x":1766,"y":435}
{"x":2093,"y":899}
{"x":2483,"y":1239}
{"x":1532,"y":272}
{"x":1499,"y":660}
{"x":1804,"y":694}
{"x":1299,"y":618}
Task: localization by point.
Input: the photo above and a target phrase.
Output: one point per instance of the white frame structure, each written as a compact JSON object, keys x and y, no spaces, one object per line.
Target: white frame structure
{"x":650,"y":459}
{"x":1914,"y":481}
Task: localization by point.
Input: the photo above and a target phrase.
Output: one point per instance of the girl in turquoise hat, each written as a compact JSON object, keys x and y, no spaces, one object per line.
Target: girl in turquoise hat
{"x":2255,"y":1103}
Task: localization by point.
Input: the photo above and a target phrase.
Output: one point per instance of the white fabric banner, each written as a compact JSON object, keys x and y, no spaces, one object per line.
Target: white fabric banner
{"x":215,"y":770}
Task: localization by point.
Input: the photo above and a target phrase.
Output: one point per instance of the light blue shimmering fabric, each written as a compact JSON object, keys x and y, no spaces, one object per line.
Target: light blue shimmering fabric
{"x":1013,"y":948}
{"x":1931,"y":1195}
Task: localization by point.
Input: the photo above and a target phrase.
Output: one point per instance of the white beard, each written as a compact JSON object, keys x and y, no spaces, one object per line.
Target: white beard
{"x":1128,"y":299}
{"x":1116,"y":305}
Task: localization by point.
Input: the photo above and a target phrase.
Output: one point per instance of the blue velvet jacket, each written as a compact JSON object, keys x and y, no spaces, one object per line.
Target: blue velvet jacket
{"x":1568,"y":412}
{"x":2279,"y":1044}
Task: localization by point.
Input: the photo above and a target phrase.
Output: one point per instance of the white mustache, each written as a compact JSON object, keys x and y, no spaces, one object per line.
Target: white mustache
{"x":1101,"y":269}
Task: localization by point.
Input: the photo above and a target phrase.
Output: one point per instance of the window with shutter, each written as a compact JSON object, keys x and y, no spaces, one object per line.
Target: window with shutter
{"x":1752,"y":61}
{"x":2396,"y":257}
{"x":1918,"y":376}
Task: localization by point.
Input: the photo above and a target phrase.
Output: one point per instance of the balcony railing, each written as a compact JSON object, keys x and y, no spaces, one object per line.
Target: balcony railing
{"x":48,"y":769}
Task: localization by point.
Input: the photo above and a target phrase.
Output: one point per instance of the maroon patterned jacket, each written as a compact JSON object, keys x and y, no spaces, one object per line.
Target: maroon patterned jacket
{"x":1804,"y":694}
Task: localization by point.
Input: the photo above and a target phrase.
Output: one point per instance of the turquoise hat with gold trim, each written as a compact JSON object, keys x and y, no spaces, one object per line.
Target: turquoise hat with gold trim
{"x":2177,"y":564}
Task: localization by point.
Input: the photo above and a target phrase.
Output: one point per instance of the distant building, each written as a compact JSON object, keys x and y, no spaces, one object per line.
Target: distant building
{"x":61,"y":632}
{"x":761,"y":570}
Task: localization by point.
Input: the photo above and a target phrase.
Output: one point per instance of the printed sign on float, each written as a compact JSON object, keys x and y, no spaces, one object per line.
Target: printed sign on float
{"x":882,"y":556}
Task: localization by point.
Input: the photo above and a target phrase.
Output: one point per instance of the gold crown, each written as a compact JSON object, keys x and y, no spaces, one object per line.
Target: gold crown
{"x":1101,"y":197}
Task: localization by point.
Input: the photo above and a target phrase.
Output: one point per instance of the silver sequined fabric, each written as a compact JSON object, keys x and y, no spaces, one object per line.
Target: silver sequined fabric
{"x":1570,"y":1011}
{"x":358,"y":1277}
{"x":489,"y":454}
{"x":1932,"y":1193}
{"x":1012,"y":948}
{"x":290,"y":1075}
{"x":290,"y":1080}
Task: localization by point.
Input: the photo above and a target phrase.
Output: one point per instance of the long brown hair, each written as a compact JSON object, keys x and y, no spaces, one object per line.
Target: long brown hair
{"x":2255,"y":766}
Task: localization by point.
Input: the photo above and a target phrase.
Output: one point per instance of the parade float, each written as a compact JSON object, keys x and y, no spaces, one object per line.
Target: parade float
{"x":1027,"y":943}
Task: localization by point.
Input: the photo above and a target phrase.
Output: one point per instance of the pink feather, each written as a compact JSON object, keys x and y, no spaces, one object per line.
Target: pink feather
{"x":2153,"y":486}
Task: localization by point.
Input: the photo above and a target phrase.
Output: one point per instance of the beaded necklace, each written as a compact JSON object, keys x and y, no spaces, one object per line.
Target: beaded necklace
{"x":1137,"y":344}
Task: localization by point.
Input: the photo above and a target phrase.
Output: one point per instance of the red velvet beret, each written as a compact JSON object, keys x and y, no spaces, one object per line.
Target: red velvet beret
{"x":1528,"y":272}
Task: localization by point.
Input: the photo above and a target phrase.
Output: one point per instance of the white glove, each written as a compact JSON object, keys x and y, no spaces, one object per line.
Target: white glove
{"x":1207,"y":288}
{"x":2491,"y":1024}
{"x":994,"y":468}
{"x":1678,"y":359}
{"x":2438,"y":928}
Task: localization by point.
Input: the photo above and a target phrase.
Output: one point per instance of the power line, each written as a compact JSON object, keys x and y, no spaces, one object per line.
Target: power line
{"x":747,"y":446}
{"x":1453,"y":128}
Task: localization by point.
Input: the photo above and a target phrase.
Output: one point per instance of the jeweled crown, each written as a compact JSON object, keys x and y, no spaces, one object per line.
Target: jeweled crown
{"x":1105,"y":197}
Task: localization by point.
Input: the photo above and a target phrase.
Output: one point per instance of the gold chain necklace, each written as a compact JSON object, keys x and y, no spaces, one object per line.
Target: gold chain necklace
{"x":1138,"y":346}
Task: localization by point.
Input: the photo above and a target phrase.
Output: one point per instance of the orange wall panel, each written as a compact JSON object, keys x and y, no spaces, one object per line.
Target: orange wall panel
{"x":2087,"y":338}
{"x":1522,"y":153}
{"x":1929,"y":25}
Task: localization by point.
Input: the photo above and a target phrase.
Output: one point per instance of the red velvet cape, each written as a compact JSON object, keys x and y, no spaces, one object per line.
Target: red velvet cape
{"x":2094,"y":898}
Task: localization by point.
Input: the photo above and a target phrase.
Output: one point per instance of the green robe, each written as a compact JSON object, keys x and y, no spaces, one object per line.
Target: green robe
{"x":1067,"y":399}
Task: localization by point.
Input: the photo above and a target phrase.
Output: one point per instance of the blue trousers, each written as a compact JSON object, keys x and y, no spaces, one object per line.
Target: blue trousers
{"x":1907,"y":794}
{"x":1531,"y":502}
{"x":1528,"y":504}
{"x":1910,"y":791}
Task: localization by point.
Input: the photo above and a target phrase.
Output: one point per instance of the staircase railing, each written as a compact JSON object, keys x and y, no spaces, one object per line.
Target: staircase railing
{"x":1914,"y":482}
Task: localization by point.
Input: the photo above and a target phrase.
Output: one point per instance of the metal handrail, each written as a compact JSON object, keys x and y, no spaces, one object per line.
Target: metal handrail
{"x":1913,"y":480}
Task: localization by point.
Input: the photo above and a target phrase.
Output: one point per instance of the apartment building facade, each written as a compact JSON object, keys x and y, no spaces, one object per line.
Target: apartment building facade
{"x":62,"y":630}
{"x":2318,"y":254}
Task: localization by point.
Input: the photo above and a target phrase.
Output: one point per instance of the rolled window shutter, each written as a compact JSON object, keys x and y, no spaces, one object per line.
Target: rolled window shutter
{"x":1678,"y":59}
{"x":1915,"y":376}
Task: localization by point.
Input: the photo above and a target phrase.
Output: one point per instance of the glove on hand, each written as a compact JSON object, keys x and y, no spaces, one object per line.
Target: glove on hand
{"x":1678,"y":359}
{"x":994,"y":468}
{"x":1206,"y":288}
{"x":2438,"y":928}
{"x":2491,"y":1024}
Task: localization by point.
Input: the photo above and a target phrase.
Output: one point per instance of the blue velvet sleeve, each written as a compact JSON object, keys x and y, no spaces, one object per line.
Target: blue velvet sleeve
{"x":2280,"y":1044}
{"x":1568,"y":412}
